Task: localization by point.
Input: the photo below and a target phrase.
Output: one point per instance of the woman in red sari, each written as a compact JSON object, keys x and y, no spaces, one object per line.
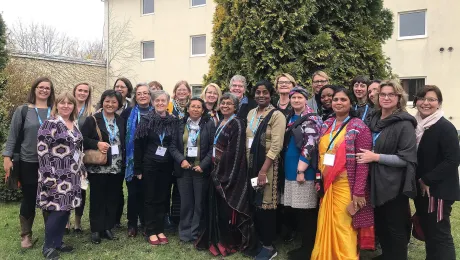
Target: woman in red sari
{"x":345,"y":219}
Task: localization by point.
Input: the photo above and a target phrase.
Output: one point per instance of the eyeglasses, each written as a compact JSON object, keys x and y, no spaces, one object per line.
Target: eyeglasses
{"x":44,"y":88}
{"x":423,"y":99}
{"x":227,"y":104}
{"x":140,"y":94}
{"x":389,"y":95}
{"x":284,"y":82}
{"x":237,"y":86}
{"x":316,"y":82}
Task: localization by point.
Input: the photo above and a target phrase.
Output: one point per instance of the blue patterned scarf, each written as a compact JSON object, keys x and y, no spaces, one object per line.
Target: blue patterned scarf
{"x":130,"y":134}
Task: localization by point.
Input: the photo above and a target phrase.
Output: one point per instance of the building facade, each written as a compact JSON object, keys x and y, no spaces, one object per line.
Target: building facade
{"x":173,"y":38}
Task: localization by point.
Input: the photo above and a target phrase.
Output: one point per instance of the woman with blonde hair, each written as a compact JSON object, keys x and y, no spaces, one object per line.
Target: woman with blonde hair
{"x":283,"y":85}
{"x":319,"y":79}
{"x":60,"y":157}
{"x":392,"y":166}
{"x":211,"y":95}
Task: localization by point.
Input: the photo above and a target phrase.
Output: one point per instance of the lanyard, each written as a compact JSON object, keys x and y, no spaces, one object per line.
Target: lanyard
{"x":112,"y":134}
{"x":375,"y":136}
{"x":162,"y":137}
{"x":331,"y":139}
{"x":219,"y":130}
{"x":47,"y":115}
{"x":365,"y":111}
{"x":254,"y":130}
{"x":81,"y":112}
{"x":139,"y":114}
{"x":195,"y":137}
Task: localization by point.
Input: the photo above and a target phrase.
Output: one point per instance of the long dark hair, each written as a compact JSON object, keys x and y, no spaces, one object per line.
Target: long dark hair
{"x":350,"y":96}
{"x":33,"y":98}
{"x":128,"y":85}
{"x":204,"y":118}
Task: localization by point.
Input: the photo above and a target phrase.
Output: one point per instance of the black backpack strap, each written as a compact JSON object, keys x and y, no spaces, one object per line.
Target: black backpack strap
{"x":17,"y":147}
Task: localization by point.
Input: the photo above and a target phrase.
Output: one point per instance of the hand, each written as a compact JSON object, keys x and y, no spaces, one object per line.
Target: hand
{"x":366,"y":156}
{"x":300,"y":178}
{"x":103,"y":147}
{"x":139,"y":177}
{"x":262,"y":178}
{"x":424,"y":188}
{"x":7,"y":165}
{"x":197,"y":169}
{"x":185,"y":165}
{"x":359,"y":202}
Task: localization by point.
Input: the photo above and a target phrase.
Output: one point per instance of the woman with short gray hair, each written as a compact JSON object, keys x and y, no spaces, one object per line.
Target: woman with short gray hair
{"x":237,"y":86}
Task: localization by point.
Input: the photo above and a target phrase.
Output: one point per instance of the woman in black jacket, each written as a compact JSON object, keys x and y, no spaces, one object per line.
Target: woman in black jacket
{"x":105,"y":180}
{"x":438,"y":187}
{"x":153,"y":161}
{"x":192,"y":153}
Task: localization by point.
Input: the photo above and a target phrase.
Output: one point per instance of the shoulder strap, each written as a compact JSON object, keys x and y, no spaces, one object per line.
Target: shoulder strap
{"x":17,"y":147}
{"x":301,"y":120}
{"x":97,"y":129}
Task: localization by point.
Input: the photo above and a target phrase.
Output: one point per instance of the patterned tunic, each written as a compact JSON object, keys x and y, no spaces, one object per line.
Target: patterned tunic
{"x":60,"y":166}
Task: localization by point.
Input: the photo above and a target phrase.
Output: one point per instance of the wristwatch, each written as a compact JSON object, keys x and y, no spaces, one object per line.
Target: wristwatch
{"x":300,"y":172}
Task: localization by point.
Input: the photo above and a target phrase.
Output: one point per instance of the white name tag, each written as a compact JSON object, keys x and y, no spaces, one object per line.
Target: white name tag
{"x":250,"y":140}
{"x":161,"y":151}
{"x":329,"y":159}
{"x":192,"y":151}
{"x":115,"y":150}
{"x":84,"y":183}
{"x":214,"y":152}
{"x":76,"y":156}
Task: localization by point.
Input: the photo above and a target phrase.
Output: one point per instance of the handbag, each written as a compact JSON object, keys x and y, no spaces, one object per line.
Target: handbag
{"x":13,"y":180}
{"x":95,"y":157}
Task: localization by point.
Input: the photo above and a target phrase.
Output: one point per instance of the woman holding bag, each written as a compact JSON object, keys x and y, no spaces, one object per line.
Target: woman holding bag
{"x":105,"y":132}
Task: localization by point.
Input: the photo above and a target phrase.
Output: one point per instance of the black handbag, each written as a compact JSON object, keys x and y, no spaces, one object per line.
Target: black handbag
{"x":13,"y":179}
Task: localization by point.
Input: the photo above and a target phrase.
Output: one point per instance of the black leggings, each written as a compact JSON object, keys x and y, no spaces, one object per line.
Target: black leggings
{"x":265,"y":223}
{"x":28,"y":176}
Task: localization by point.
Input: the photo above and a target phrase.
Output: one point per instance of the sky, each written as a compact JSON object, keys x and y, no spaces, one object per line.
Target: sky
{"x":83,"y":19}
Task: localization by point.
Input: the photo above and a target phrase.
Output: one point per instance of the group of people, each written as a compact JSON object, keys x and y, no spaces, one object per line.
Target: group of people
{"x":338,"y":167}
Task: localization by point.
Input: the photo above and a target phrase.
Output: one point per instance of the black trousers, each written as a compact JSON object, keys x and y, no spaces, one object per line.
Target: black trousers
{"x":54,"y":228}
{"x":120,"y":205}
{"x":172,"y":202}
{"x":439,"y":244}
{"x":306,"y":220}
{"x":28,"y":176}
{"x":392,"y":226}
{"x":193,"y":190}
{"x":265,"y":224}
{"x":103,"y":197}
{"x":79,"y":210}
{"x":156,"y":177}
{"x":135,"y":202}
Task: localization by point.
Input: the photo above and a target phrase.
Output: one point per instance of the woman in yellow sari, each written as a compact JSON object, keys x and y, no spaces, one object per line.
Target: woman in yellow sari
{"x":345,"y":220}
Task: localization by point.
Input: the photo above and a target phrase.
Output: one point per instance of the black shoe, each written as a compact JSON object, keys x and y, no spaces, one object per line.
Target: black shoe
{"x":51,"y":254}
{"x":109,"y":235}
{"x":289,"y":237}
{"x":95,"y":238}
{"x":65,"y":248}
{"x":77,"y":230}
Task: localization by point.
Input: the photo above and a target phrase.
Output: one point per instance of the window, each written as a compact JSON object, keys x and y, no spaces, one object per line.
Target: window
{"x":412,"y":25}
{"x":412,"y":86}
{"x":196,"y":90}
{"x":196,"y":3}
{"x":199,"y":45}
{"x":148,"y":50}
{"x":148,"y":7}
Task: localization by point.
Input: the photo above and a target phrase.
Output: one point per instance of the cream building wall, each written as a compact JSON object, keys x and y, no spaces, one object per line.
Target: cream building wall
{"x":421,"y":57}
{"x":170,"y":27}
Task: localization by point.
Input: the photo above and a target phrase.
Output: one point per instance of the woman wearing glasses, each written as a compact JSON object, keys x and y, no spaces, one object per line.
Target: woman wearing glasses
{"x":283,"y":84}
{"x":392,"y":168}
{"x":211,"y":95}
{"x":438,"y":157}
{"x":319,"y":79}
{"x":22,"y":143}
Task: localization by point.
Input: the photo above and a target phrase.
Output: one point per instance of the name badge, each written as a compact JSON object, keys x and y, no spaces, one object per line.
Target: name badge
{"x":76,"y":156}
{"x":250,"y":140}
{"x":84,"y":183}
{"x":161,"y":151}
{"x":214,"y":152}
{"x":192,"y":151}
{"x":329,"y":159}
{"x":115,"y":150}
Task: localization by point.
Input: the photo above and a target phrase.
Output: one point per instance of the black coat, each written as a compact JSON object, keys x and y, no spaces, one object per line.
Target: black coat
{"x":90,"y":137}
{"x":438,"y":157}
{"x":207,"y":132}
{"x":245,"y":108}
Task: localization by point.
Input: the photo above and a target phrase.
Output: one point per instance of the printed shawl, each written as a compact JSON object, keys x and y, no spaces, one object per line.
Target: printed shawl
{"x":130,"y":132}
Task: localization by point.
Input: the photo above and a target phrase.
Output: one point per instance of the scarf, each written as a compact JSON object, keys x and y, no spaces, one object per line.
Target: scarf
{"x":130,"y":132}
{"x":179,"y":107}
{"x":153,"y":122}
{"x":257,"y":157}
{"x":423,"y":124}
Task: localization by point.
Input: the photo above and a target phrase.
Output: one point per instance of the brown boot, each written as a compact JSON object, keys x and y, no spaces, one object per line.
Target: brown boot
{"x":26,"y":231}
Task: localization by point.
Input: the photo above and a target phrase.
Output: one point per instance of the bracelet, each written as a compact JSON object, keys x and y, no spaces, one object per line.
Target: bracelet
{"x":263,"y":174}
{"x":300,"y":172}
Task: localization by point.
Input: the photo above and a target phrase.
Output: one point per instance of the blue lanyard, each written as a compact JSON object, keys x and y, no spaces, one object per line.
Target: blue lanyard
{"x":112,"y":134}
{"x":47,"y":115}
{"x":375,"y":136}
{"x":139,"y":114}
{"x":254,"y":130}
{"x":365,"y":111}
{"x":219,"y":130}
{"x":331,"y":139}
{"x":81,"y":112}
{"x":162,"y":137}
{"x":195,"y":137}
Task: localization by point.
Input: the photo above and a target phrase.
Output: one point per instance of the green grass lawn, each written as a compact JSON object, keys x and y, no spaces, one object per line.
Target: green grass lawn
{"x":137,"y":248}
